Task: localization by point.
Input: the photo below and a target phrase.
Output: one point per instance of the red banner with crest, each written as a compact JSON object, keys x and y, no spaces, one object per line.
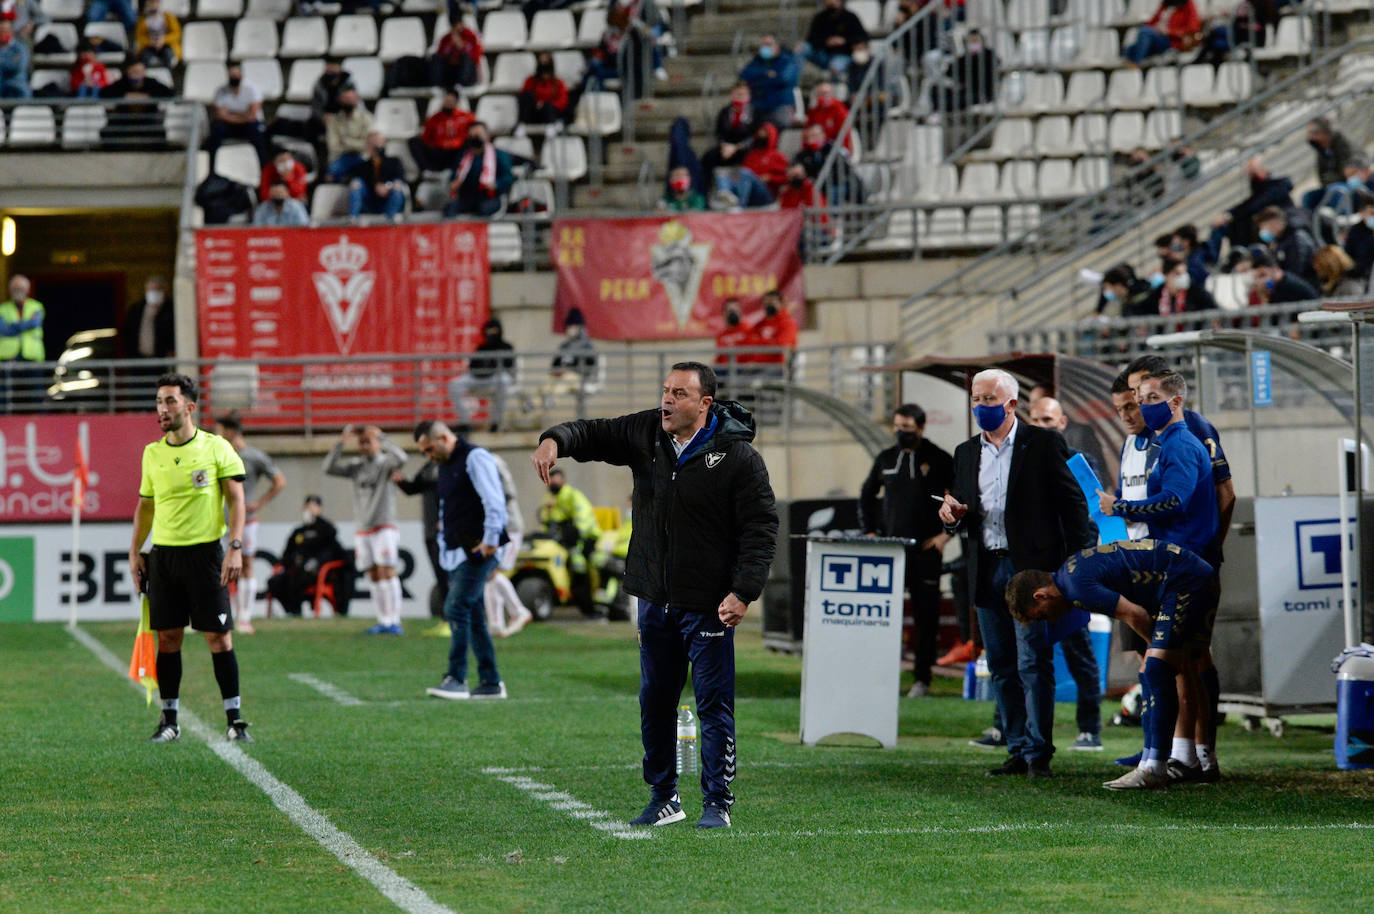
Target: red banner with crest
{"x":338,"y":298}
{"x":38,"y":459}
{"x":666,"y":277}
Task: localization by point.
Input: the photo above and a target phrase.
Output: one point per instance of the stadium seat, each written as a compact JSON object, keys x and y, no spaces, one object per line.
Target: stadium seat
{"x":219,"y":9}
{"x":1086,"y":89}
{"x":402,"y":37}
{"x":32,"y":125}
{"x":304,"y":36}
{"x":354,"y":35}
{"x":569,"y":66}
{"x":1033,"y":49}
{"x":81,"y":125}
{"x":1022,"y":218}
{"x":254,"y":38}
{"x":1094,"y":12}
{"x":276,"y":10}
{"x":598,"y":113}
{"x":1125,"y":89}
{"x":504,"y":30}
{"x":1101,"y":48}
{"x":178,"y":8}
{"x":201,"y":80}
{"x":499,"y":112}
{"x":870,"y":13}
{"x":590,"y":27}
{"x":42,"y":79}
{"x":1235,"y":82}
{"x":66,"y":35}
{"x":521,"y":146}
{"x":300,"y":83}
{"x":983,"y":226}
{"x":511,"y":70}
{"x":940,"y":228}
{"x":1127,"y":130}
{"x":1198,"y":83}
{"x":552,"y":30}
{"x":978,"y":181}
{"x":1065,"y":44}
{"x":1028,"y":14}
{"x":1089,"y":134}
{"x":1016,"y":181}
{"x":563,"y":158}
{"x":1055,"y":179}
{"x":540,"y":191}
{"x":368,"y":75}
{"x":397,"y":118}
{"x":431,"y":195}
{"x":111,"y":40}
{"x":1053,"y":136}
{"x":1161,"y":89}
{"x":422,"y":6}
{"x":1161,"y":128}
{"x":939,"y":184}
{"x":503,"y":243}
{"x":64,"y":10}
{"x":1043,"y":92}
{"x":265,"y":74}
{"x":176,"y":122}
{"x":1137,"y":11}
{"x":329,"y":201}
{"x":1091,"y":174}
{"x":238,"y":162}
{"x":202,"y":41}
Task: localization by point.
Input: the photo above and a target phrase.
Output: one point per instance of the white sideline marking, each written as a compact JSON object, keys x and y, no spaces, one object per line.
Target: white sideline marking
{"x":1076,"y":827}
{"x":327,"y":689}
{"x":562,"y":801}
{"x":401,"y":891}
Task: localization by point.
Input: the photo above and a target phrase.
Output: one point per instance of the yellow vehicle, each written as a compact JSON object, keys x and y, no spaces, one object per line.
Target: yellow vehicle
{"x":545,"y":578}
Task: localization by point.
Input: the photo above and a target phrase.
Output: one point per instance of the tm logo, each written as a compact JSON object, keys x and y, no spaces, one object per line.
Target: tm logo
{"x":856,"y":574}
{"x":1319,"y":553}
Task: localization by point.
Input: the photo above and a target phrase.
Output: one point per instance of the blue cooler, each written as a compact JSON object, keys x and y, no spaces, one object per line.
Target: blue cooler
{"x":1355,"y":713}
{"x":1100,"y":633}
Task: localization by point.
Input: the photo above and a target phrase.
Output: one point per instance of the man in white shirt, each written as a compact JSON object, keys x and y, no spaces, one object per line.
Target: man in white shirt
{"x":236,"y":113}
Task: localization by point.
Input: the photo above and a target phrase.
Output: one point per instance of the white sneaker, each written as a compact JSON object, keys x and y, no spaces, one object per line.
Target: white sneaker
{"x":918,"y":690}
{"x":451,"y":689}
{"x":661,"y":74}
{"x":1138,"y":779}
{"x":520,"y":622}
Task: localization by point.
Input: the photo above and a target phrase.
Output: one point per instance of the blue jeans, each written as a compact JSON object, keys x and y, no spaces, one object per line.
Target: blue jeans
{"x":670,"y":639}
{"x":100,"y":9}
{"x":16,"y":86}
{"x":466,"y":613}
{"x":1021,"y":661}
{"x":1337,"y":196}
{"x":1149,"y":42}
{"x":362,"y":200}
{"x":1081,"y":660}
{"x":340,"y":168}
{"x":745,"y":185}
{"x":837,"y":64}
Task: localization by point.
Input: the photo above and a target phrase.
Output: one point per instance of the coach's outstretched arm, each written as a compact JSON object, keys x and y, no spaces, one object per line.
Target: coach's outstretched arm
{"x":604,"y":440}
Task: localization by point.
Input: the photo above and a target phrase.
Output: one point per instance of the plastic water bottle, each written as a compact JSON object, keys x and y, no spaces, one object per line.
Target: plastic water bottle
{"x":687,"y":764}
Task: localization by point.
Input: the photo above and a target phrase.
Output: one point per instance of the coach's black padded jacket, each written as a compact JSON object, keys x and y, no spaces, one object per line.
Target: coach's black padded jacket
{"x":705,"y":524}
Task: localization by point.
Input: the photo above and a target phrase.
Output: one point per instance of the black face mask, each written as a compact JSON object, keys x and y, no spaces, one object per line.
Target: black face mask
{"x":234,"y":81}
{"x":908,"y":440}
{"x":796,"y":182}
{"x":544,"y":72}
{"x":494,"y":335}
{"x":732,"y":319}
{"x":474,"y":144}
{"x":347,"y":109}
{"x":770,"y":310}
{"x":554,"y":488}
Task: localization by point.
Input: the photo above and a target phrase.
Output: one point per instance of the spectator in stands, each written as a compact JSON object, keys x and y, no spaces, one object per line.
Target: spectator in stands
{"x":1358,"y":173}
{"x":732,"y":368}
{"x":280,"y":209}
{"x":326,"y":98}
{"x":734,"y":131}
{"x":27,"y":16}
{"x":1359,"y":241}
{"x":1275,"y":285}
{"x":764,"y":160}
{"x":149,"y":329}
{"x":481,"y":178}
{"x":576,"y":363}
{"x":829,"y":112}
{"x":884,"y":89}
{"x":1333,"y":154}
{"x":1266,"y":190}
{"x":438,"y":146}
{"x":375,"y":183}
{"x":777,"y":329}
{"x":842,"y":185}
{"x":799,"y":192}
{"x":772,"y":77}
{"x":284,"y":170}
{"x":815,"y":149}
{"x":139,"y":120}
{"x":831,"y":38}
{"x":1179,"y":294}
{"x":99,"y":11}
{"x":1291,"y":245}
{"x":1246,"y":30}
{"x":1135,"y":296}
{"x":14,"y":64}
{"x":156,"y":22}
{"x":681,"y":196}
{"x":157,"y":52}
{"x":345,"y":135}
{"x":1145,"y":183}
{"x":491,"y":371}
{"x":236,"y":113}
{"x":1175,"y":25}
{"x":970,"y":79}
{"x":458,"y":59}
{"x":1335,"y":273}
{"x":739,"y":187}
{"x":544,"y":97}
{"x":1184,"y":244}
{"x":89,"y":75}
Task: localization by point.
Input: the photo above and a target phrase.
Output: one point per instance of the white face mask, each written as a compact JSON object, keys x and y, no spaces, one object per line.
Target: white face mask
{"x":1182,"y":283}
{"x":307,"y":517}
{"x":860,"y":57}
{"x":154,"y":297}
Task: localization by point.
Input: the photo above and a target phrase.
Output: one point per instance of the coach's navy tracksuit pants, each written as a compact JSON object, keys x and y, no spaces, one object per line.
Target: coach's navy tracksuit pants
{"x":669,"y":640}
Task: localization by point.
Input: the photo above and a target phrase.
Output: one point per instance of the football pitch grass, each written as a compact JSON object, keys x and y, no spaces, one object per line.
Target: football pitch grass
{"x":390,"y":800}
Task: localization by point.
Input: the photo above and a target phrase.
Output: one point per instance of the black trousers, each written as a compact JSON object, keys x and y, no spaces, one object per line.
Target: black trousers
{"x":923,"y":583}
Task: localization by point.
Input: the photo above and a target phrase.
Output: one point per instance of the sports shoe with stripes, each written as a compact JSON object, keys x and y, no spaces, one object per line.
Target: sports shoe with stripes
{"x":238,"y":732}
{"x":661,"y":812}
{"x":1139,"y":779}
{"x":165,"y":733}
{"x":714,"y":815}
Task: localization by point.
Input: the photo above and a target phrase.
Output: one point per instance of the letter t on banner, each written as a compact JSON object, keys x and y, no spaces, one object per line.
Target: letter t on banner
{"x":80,"y":480}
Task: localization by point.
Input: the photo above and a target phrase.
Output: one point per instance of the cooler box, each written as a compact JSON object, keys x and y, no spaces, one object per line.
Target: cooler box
{"x":1355,"y":713}
{"x":1100,"y":633}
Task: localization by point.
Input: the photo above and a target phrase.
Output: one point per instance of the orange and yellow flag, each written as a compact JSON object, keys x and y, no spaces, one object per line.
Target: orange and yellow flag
{"x":143,"y":664}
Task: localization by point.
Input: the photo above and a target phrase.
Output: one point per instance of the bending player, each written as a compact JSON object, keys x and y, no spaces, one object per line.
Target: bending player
{"x":1164,"y":592}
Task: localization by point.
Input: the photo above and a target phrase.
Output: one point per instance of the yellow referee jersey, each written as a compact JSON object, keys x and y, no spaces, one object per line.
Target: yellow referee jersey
{"x":183,"y":482}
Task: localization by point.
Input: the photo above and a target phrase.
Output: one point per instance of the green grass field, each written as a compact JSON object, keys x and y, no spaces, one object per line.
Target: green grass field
{"x":492,"y":806}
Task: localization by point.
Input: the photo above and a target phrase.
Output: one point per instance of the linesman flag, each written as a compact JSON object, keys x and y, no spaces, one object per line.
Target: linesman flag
{"x":81,"y":479}
{"x":143,"y":664}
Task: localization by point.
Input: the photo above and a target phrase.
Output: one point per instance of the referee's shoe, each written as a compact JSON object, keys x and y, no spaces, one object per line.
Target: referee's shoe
{"x":165,"y":732}
{"x":238,"y":732}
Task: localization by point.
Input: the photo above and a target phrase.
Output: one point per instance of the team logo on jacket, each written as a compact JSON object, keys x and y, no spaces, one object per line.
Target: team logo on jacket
{"x":714,"y":458}
{"x":344,"y":288}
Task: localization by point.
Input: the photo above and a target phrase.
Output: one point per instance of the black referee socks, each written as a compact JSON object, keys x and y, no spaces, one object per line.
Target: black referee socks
{"x":227,"y":675}
{"x":169,"y":682}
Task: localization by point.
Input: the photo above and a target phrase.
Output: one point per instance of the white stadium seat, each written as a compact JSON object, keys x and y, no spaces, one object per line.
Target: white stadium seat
{"x":304,"y":36}
{"x":254,"y":38}
{"x":504,"y":30}
{"x":203,"y":41}
{"x":402,"y":37}
{"x":354,"y":35}
{"x":300,"y":84}
{"x":265,"y":74}
{"x":552,"y":30}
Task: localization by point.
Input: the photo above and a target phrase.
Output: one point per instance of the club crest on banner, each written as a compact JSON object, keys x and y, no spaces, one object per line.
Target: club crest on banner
{"x":679,"y":265}
{"x":344,"y":288}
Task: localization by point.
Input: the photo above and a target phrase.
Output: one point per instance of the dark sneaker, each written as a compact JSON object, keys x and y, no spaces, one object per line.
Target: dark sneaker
{"x":1087,"y":742}
{"x":713,"y":815}
{"x":992,"y":738}
{"x":1013,"y":765}
{"x":1210,"y":775}
{"x":1039,"y":768}
{"x":238,"y":732}
{"x":450,"y":688}
{"x":490,"y":690}
{"x":165,"y":733}
{"x":661,"y":812}
{"x":1180,"y":773}
{"x":378,"y":629}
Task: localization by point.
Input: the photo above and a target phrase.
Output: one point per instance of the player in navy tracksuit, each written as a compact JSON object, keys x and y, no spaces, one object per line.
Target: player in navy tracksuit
{"x":1163,"y":591}
{"x":705,"y":529}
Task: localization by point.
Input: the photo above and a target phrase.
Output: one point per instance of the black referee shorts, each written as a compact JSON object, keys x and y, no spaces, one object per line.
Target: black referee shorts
{"x":184,"y":588}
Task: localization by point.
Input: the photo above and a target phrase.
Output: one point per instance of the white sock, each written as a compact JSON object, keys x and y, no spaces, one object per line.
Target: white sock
{"x":496,"y":617}
{"x":381,"y":596}
{"x":1205,"y":756}
{"x":394,"y":585}
{"x":512,"y":599}
{"x":1183,"y":751}
{"x":247,"y":592}
{"x":1154,"y":765}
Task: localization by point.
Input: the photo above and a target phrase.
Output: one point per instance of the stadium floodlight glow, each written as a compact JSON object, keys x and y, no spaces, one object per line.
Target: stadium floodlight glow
{"x":1323,"y":317}
{"x":8,"y":236}
{"x":1183,"y":338}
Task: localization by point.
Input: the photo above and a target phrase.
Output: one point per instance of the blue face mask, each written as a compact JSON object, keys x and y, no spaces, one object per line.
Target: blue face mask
{"x":1266,"y":236}
{"x":1369,"y":223}
{"x":1354,"y":182}
{"x":1156,"y":280}
{"x":1108,"y":295}
{"x":1269,"y":285}
{"x":1156,"y":415}
{"x":990,"y":418}
{"x":768,"y":52}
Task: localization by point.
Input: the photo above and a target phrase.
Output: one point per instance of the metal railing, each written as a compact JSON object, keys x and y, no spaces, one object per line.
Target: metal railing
{"x":322,"y":394}
{"x":79,"y":124}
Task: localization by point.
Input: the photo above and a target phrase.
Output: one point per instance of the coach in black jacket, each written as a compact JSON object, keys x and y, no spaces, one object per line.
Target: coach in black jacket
{"x":1013,"y":489}
{"x":705,"y":529}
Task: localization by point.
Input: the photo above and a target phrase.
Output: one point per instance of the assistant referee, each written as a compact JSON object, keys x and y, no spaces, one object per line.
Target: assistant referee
{"x":188,"y":476}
